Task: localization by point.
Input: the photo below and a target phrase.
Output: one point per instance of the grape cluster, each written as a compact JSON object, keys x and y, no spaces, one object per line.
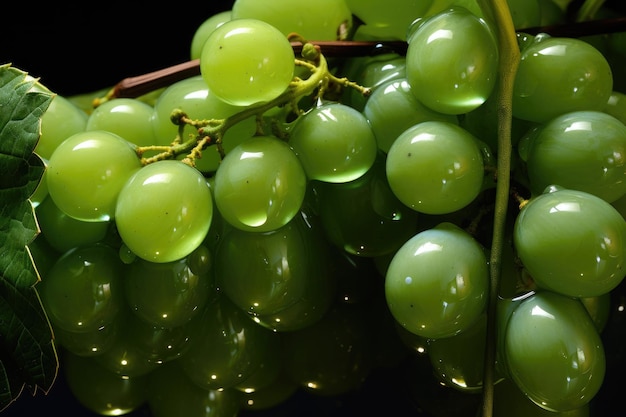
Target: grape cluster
{"x":265,"y":228}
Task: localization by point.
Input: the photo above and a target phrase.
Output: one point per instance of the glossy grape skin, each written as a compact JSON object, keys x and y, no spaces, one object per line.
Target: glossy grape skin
{"x":260,"y":185}
{"x":325,"y":135}
{"x":571,"y":242}
{"x":101,"y":391}
{"x":583,"y":150}
{"x":203,"y":31}
{"x":91,"y":343}
{"x":452,"y":86}
{"x":383,"y":22}
{"x":560,"y":75}
{"x":155,"y":343}
{"x":319,"y":20}
{"x":87,"y":171}
{"x":164,"y":211}
{"x":64,"y":232}
{"x":225,"y":346}
{"x":83,"y":290}
{"x":363,"y":217}
{"x":554,"y":352}
{"x":436,"y":284}
{"x":616,"y":106}
{"x":280,"y":278}
{"x":392,"y":108}
{"x":435,"y":167}
{"x":61,"y":120}
{"x":245,"y":61}
{"x":125,"y":358}
{"x":127,"y":117}
{"x":172,"y":394}
{"x":166,"y":294}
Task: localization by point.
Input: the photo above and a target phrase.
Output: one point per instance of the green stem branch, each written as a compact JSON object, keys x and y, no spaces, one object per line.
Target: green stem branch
{"x":509,"y":56}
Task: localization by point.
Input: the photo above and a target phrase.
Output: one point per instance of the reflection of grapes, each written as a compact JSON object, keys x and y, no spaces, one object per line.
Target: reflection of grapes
{"x":331,"y":246}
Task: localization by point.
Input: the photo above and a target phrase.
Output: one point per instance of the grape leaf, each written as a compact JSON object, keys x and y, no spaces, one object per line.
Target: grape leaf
{"x":28,"y":357}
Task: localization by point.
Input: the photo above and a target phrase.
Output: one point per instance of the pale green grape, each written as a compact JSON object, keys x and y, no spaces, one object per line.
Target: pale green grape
{"x":435,"y":167}
{"x":260,"y":185}
{"x":205,"y":29}
{"x":616,"y":106}
{"x":164,"y":211}
{"x":452,"y":86}
{"x":392,"y":108}
{"x":129,"y":118}
{"x":380,"y":21}
{"x":87,"y":171}
{"x":245,"y":61}
{"x":436,"y":284}
{"x":193,"y":97}
{"x":334,"y":142}
{"x":314,"y":20}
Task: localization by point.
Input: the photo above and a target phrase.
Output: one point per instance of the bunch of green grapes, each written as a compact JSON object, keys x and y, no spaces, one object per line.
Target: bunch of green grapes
{"x":268,"y":228}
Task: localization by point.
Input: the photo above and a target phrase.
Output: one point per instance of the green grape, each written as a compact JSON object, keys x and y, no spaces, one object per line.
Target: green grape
{"x":61,"y":120}
{"x":127,"y":117}
{"x":553,"y":352}
{"x":193,"y":97}
{"x":599,"y":308}
{"x":41,"y":192}
{"x":245,"y":61}
{"x":64,"y":232}
{"x":83,"y":290}
{"x":280,"y":278}
{"x":435,"y":167}
{"x":316,"y":21}
{"x":155,"y":343}
{"x":203,"y":31}
{"x":383,"y":22}
{"x":559,"y":75}
{"x":334,"y":142}
{"x":458,"y":361}
{"x":172,"y":394}
{"x":125,"y":356}
{"x":584,"y":150}
{"x":166,"y":294}
{"x":525,"y":13}
{"x":437,"y":282}
{"x":101,"y":391}
{"x":364,"y":217}
{"x":371,"y":72}
{"x":274,"y":394}
{"x":87,"y":171}
{"x":225,"y":347}
{"x":260,"y":184}
{"x":332,"y":356}
{"x":551,"y":13}
{"x":510,"y":401}
{"x":269,"y":370}
{"x":571,"y":242}
{"x":392,"y":108}
{"x":616,"y":106}
{"x":91,"y":343}
{"x":452,"y":86}
{"x":164,"y":211}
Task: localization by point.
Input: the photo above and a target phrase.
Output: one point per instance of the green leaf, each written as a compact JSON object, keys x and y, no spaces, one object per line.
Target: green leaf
{"x":28,"y":357}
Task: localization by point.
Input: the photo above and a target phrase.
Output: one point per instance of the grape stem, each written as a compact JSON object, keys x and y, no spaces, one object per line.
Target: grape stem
{"x":509,"y":56}
{"x":211,"y":131}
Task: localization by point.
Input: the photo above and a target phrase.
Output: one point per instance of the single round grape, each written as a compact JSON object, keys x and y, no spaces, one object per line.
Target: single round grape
{"x":554,"y":352}
{"x":166,"y":294}
{"x":315,"y":21}
{"x":437,"y":282}
{"x":61,"y":120}
{"x":203,"y":31}
{"x":571,"y":242}
{"x":334,"y":143}
{"x":583,"y":150}
{"x":127,"y":117}
{"x":100,"y":390}
{"x":245,"y":61}
{"x":260,"y":185}
{"x":164,"y":211}
{"x":559,"y":75}
{"x":83,"y":290}
{"x":392,"y":108}
{"x":435,"y":167}
{"x":64,"y":232}
{"x":461,"y":84}
{"x":87,"y":171}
